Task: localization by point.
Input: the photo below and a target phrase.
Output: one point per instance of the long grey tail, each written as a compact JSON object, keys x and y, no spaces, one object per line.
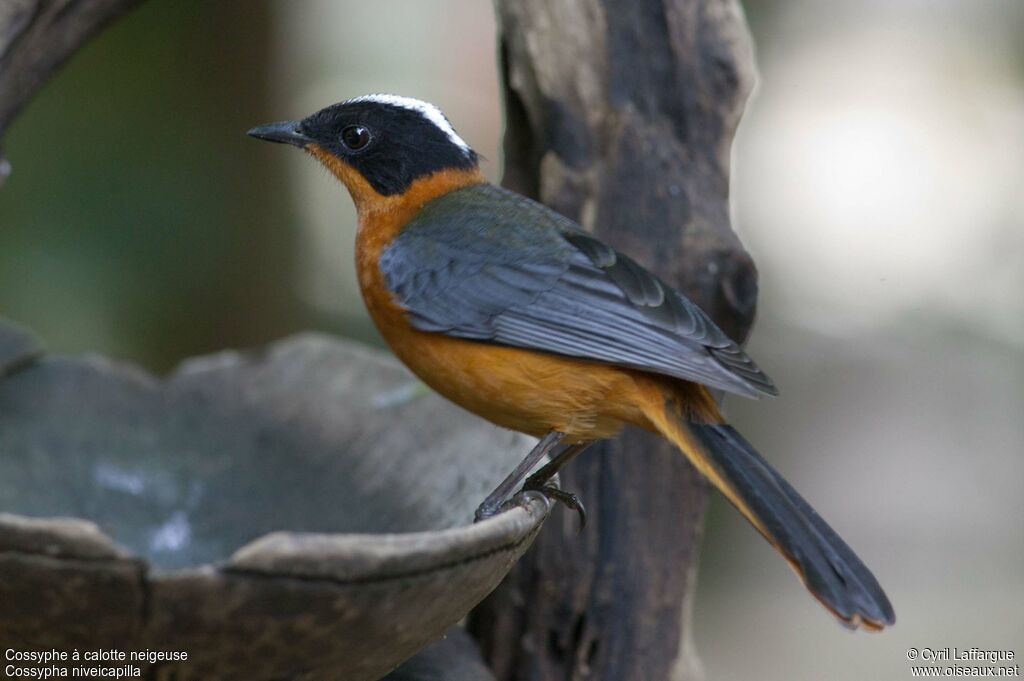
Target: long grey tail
{"x":828,"y":567}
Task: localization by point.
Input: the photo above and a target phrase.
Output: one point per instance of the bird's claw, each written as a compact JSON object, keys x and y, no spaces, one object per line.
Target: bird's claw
{"x":568,"y":499}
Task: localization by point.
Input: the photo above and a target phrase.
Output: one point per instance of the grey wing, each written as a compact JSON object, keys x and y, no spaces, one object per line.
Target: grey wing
{"x":503,"y":269}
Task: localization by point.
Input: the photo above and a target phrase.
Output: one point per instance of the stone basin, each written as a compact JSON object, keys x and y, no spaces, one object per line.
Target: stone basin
{"x":303,"y":512}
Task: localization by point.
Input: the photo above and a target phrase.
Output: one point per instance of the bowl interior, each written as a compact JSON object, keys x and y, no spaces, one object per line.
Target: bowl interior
{"x":311,"y":435}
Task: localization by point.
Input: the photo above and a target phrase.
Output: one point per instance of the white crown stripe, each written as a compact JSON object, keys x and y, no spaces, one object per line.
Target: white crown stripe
{"x":425,"y":109}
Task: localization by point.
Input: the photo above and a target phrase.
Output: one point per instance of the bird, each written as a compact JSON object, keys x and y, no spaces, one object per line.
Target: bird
{"x":519,"y":315}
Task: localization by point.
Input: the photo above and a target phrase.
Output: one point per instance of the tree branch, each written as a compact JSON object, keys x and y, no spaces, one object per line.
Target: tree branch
{"x":621,"y":114}
{"x":36,"y":38}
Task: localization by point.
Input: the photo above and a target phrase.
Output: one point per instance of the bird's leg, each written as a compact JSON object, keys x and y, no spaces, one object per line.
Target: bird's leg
{"x":540,"y":481}
{"x":510,"y":484}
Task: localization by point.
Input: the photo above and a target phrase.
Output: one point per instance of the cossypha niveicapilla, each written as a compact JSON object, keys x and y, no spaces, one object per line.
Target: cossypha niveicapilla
{"x":517,"y":314}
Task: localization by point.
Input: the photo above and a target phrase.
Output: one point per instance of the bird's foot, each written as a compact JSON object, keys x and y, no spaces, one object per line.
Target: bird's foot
{"x":489,"y":509}
{"x":568,"y":499}
{"x":492,"y":507}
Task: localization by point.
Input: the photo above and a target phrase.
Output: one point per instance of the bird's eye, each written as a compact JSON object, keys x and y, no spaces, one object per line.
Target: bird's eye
{"x":355,"y":137}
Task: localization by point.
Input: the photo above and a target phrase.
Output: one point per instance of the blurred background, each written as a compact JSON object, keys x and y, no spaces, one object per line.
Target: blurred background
{"x":878,"y":182}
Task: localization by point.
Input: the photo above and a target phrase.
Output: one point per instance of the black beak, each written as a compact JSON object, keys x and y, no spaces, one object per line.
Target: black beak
{"x":285,"y":132}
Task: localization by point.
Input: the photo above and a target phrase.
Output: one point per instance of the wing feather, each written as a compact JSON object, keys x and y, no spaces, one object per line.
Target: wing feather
{"x":487,"y":264}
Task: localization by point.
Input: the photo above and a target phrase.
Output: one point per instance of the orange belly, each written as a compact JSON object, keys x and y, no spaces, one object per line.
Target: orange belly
{"x":523,"y":390}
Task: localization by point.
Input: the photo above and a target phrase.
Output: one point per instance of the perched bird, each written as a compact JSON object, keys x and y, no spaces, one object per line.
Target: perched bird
{"x":517,"y":314}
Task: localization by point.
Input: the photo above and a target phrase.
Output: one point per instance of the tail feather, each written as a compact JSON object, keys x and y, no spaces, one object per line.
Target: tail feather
{"x":829,"y":568}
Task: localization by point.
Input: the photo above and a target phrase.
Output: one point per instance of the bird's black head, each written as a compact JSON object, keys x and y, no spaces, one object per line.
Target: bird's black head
{"x":389,"y":141}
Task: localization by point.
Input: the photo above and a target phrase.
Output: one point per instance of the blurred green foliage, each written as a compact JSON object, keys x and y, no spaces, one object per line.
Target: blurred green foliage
{"x":140,"y":220}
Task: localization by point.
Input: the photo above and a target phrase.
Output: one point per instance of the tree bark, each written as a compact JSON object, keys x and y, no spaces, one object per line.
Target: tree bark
{"x":36,"y":38}
{"x":621,"y":115}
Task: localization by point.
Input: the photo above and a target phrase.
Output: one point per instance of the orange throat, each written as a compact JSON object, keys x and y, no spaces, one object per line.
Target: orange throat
{"x":398,"y":208}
